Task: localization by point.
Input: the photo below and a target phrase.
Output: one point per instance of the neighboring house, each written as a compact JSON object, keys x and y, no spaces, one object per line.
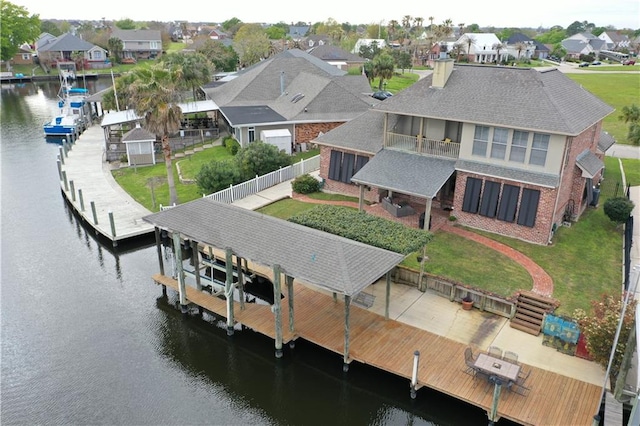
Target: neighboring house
{"x":217,"y":34}
{"x":51,"y":50}
{"x":583,"y":44}
{"x":615,"y":40}
{"x":24,"y":56}
{"x":513,"y":151}
{"x":381,"y":43}
{"x":482,"y":48}
{"x":292,"y":90}
{"x":297,"y":33}
{"x":541,"y":50}
{"x":521,"y":46}
{"x":336,"y":56}
{"x":139,"y":44}
{"x":315,"y":40}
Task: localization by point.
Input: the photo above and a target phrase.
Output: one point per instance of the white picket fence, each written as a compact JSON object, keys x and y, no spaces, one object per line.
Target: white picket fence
{"x":260,"y":183}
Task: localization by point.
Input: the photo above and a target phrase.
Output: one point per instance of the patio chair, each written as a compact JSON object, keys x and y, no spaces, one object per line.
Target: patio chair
{"x":523,"y":375}
{"x":469,"y":361}
{"x":494,"y":351}
{"x":511,"y":357}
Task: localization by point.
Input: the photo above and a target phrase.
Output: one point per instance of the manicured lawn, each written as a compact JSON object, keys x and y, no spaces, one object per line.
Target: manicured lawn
{"x":284,"y":209}
{"x":631,"y":171}
{"x":190,"y":166}
{"x":616,"y":89}
{"x":398,"y":82}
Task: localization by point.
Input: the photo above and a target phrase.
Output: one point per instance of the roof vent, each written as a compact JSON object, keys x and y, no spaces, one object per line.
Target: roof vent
{"x":297,"y":97}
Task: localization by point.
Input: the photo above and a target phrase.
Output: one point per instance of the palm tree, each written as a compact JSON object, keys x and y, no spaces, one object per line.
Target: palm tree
{"x":520,"y":46}
{"x":154,"y":94}
{"x":391,"y":29}
{"x":469,"y":40}
{"x":498,"y":47}
{"x":383,"y":68}
{"x":115,"y":48}
{"x":196,"y":68}
{"x":461,"y":26}
{"x":431,"y":18}
{"x":406,"y":21}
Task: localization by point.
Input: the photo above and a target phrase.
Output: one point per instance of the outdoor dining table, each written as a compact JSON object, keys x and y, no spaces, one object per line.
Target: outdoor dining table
{"x":497,"y":367}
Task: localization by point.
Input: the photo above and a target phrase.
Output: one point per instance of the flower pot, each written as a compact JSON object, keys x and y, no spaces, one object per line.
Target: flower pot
{"x":467,"y":305}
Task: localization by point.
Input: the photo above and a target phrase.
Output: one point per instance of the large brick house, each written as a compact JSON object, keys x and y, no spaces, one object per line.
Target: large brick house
{"x":291,"y":91}
{"x":511,"y":151}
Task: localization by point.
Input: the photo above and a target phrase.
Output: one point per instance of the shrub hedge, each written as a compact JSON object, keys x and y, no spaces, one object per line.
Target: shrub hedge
{"x":365,"y":228}
{"x":305,"y":184}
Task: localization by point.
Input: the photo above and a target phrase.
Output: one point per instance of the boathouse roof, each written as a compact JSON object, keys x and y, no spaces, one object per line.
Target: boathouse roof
{"x":315,"y":257}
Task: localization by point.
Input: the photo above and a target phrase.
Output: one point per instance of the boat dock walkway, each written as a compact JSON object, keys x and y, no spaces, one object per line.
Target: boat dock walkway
{"x":553,"y":399}
{"x":88,"y":185}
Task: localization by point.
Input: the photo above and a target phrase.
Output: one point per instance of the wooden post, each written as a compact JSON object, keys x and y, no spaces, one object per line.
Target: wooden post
{"x":240,"y":281}
{"x":414,"y":374}
{"x":421,"y":286}
{"x":195,"y":258}
{"x":228,"y":290}
{"x":64,"y":179}
{"x":73,"y":191}
{"x":345,"y":360}
{"x":81,"y":200}
{"x":277,"y":309}
{"x":177,"y":253}
{"x":159,"y":252}
{"x":112,"y":223}
{"x":427,"y":214}
{"x":59,"y":163}
{"x":93,"y":211}
{"x":387,"y":295}
{"x":493,"y":415}
{"x":361,"y":199}
{"x":290,"y":296}
{"x":61,"y":155}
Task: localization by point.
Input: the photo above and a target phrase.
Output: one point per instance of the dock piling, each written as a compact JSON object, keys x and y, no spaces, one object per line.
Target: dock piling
{"x":229,"y":290}
{"x":73,"y":191}
{"x":112,"y":223}
{"x":93,"y":211}
{"x":81,"y":200}
{"x":414,"y":374}
{"x":61,"y":155}
{"x":64,"y":179}
{"x":59,"y":164}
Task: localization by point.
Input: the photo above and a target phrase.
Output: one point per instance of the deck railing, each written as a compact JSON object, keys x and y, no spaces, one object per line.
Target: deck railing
{"x":260,"y":183}
{"x":423,"y":145}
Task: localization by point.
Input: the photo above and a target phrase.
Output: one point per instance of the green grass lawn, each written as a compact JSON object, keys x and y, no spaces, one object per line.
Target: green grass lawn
{"x":190,"y":166}
{"x":616,"y":89}
{"x":631,"y":171}
{"x":615,"y":68}
{"x":398,"y":82}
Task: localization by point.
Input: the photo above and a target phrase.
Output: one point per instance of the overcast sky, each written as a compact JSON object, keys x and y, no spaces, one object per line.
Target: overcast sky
{"x":497,"y":13}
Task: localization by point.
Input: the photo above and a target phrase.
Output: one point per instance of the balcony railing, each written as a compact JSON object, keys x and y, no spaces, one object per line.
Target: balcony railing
{"x":423,"y":145}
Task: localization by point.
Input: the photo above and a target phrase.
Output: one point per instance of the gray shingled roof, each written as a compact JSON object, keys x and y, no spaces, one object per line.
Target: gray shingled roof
{"x":606,"y":141}
{"x":589,"y":163}
{"x":405,"y":172}
{"x":244,"y":115}
{"x":329,"y":93}
{"x":527,"y":99}
{"x":138,"y":134}
{"x":327,"y":52}
{"x":137,"y":35}
{"x":362,"y":134}
{"x":516,"y":175}
{"x":67,"y":42}
{"x":315,"y":257}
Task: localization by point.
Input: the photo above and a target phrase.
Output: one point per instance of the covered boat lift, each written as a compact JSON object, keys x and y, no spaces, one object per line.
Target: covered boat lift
{"x":333,"y":263}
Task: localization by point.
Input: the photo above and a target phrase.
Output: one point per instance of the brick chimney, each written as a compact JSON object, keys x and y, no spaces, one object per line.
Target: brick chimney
{"x":442,"y":69}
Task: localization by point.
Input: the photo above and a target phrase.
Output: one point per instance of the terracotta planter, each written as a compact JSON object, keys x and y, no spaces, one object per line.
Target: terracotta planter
{"x":467,"y":305}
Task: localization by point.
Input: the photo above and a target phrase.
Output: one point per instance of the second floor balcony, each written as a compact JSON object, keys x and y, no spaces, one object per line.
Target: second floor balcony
{"x":422,"y":145}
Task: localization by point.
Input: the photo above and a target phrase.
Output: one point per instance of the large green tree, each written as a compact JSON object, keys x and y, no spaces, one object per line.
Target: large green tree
{"x":154,"y":95}
{"x":631,"y":116}
{"x":251,"y":43}
{"x":383,"y":67}
{"x":17,"y":27}
{"x":260,"y":158}
{"x":51,"y":28}
{"x":196,"y":68}
{"x":224,"y":58}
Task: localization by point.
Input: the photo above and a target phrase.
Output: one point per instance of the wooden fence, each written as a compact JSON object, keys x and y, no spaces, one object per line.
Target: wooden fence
{"x":456,"y":292}
{"x":260,"y":183}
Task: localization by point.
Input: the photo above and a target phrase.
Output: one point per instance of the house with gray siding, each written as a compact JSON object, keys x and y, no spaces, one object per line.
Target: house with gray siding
{"x":512,"y":151}
{"x":292,"y":91}
{"x":139,"y":44}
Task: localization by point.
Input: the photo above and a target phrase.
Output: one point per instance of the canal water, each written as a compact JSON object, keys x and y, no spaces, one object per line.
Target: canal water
{"x":87,"y":338}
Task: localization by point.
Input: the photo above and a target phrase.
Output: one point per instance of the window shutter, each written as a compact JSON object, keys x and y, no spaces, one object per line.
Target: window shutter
{"x":360,"y":162}
{"x":509,"y":203}
{"x":348,"y":161}
{"x":529,"y":207}
{"x":472,"y":195}
{"x":334,"y":165}
{"x":490,"y":196}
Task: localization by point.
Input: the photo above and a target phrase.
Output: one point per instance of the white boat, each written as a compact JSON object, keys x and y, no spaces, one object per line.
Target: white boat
{"x":72,"y":118}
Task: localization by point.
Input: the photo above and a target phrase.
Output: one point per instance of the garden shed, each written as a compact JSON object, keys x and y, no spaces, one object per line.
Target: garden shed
{"x":278,"y":137}
{"x":140,"y":145}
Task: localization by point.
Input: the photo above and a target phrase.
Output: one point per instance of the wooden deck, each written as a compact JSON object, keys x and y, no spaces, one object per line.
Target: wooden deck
{"x":389,"y":345}
{"x":84,"y":166}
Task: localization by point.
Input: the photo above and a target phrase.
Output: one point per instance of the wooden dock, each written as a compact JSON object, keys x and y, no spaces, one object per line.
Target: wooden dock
{"x":389,"y":345}
{"x":85,"y":169}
